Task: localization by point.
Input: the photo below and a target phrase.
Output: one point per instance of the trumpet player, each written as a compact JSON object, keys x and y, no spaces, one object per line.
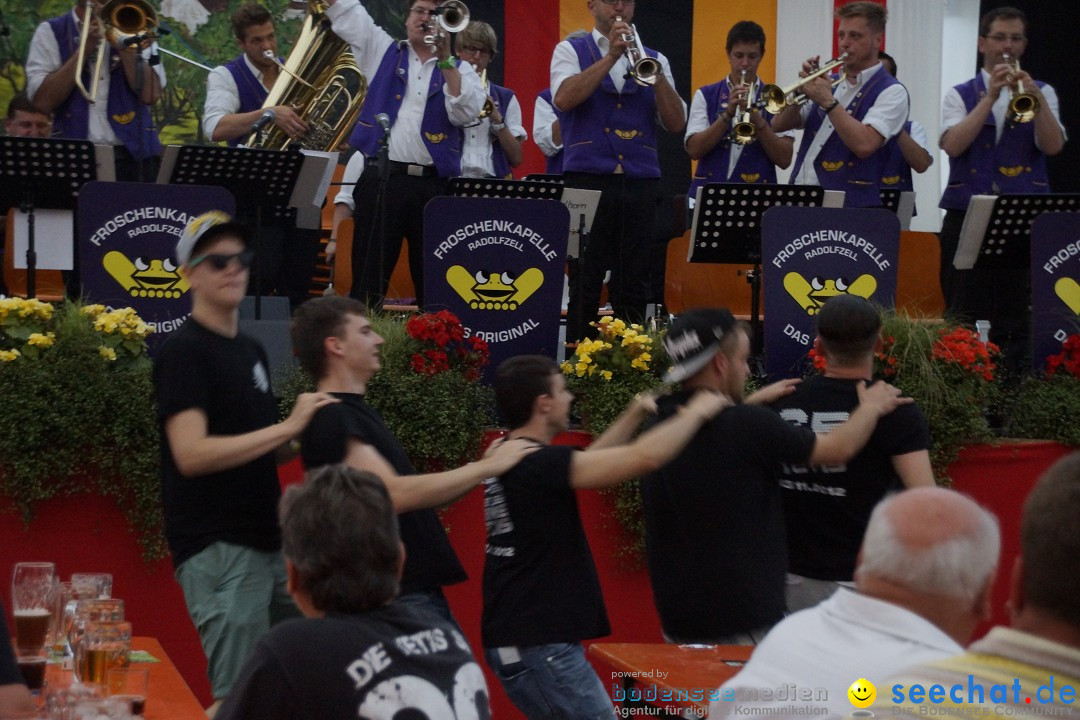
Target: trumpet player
{"x":715,"y":111}
{"x":425,"y":96}
{"x":991,"y":152}
{"x":119,"y":115}
{"x":845,"y":128}
{"x":235,"y":93}
{"x":492,"y":146}
{"x":611,"y":107}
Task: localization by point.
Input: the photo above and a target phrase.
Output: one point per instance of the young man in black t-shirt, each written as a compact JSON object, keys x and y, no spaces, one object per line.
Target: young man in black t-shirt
{"x":360,"y":652}
{"x":827,"y":507}
{"x":542,"y":595}
{"x":220,"y":430}
{"x":336,"y":344}
{"x":714,"y":528}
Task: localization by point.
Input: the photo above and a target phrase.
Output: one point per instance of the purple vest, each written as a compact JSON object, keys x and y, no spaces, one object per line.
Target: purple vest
{"x":553,"y":164}
{"x":128,"y":117}
{"x":836,"y":167}
{"x":753,"y":166}
{"x":611,"y":128}
{"x":1011,"y":165}
{"x":499,"y":163}
{"x":252,"y":92}
{"x":385,"y":92}
{"x":896,"y":173}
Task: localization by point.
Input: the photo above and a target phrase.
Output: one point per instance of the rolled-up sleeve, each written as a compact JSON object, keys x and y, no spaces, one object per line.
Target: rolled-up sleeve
{"x":465,"y":108}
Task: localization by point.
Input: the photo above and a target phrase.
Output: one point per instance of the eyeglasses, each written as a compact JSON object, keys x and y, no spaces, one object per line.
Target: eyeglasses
{"x":614,"y":2}
{"x":220,"y":261}
{"x":1002,"y":37}
{"x":473,"y":50}
{"x":426,"y":12}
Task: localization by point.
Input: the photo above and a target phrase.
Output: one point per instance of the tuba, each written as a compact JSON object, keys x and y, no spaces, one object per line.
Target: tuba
{"x":322,"y":81}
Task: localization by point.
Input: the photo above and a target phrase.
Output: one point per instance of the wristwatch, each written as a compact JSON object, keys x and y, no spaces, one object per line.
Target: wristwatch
{"x":497,"y":127}
{"x":448,"y":64}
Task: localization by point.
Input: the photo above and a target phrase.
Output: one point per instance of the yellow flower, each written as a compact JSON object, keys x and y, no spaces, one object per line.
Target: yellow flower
{"x":41,"y":340}
{"x":606,"y":374}
{"x":92,"y":311}
{"x":581,"y":369}
{"x":584,"y":358}
{"x":108,"y":353}
{"x":9,"y":355}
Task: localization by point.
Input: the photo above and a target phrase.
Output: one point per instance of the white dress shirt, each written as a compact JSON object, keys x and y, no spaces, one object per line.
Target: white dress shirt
{"x":953,"y":109}
{"x":830,"y":646}
{"x":564,"y":64}
{"x":44,"y":58}
{"x":353,"y":170}
{"x":476,"y":151}
{"x":352,"y":23}
{"x":699,"y":121}
{"x":887,"y":116}
{"x":543,"y":119}
{"x":222,"y":95}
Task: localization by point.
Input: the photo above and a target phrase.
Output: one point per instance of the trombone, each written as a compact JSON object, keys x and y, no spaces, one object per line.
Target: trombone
{"x":450,"y":17}
{"x":643,"y":69}
{"x":1023,"y":106}
{"x":124,"y":22}
{"x":489,"y":106}
{"x":775,"y":98}
{"x":744,"y":132}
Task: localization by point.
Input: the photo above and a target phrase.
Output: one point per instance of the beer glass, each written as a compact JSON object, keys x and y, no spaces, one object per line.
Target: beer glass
{"x":89,"y":586}
{"x":31,"y":588}
{"x":129,"y":685}
{"x":87,"y":612}
{"x":62,"y":607}
{"x":105,"y":645}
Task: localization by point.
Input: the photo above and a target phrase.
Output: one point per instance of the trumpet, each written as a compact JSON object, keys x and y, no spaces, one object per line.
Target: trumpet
{"x":450,"y":17}
{"x":125,"y":23}
{"x":488,"y":105}
{"x":775,"y":98}
{"x":643,"y":69}
{"x":1023,"y":106}
{"x":744,"y":132}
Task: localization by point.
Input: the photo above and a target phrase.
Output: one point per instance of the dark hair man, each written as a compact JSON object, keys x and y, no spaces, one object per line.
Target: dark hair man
{"x":358,"y":652}
{"x":427,"y":96}
{"x":908,"y":150}
{"x":609,"y":130}
{"x":24,"y":119}
{"x":717,"y":108}
{"x":542,"y":595}
{"x":219,"y":435}
{"x":844,"y":129}
{"x":120,"y":115}
{"x":991,"y":153}
{"x":235,"y":94}
{"x":337,"y":345}
{"x":714,"y":526}
{"x":826,"y":508}
{"x":492,"y":145}
{"x":1030,"y":669}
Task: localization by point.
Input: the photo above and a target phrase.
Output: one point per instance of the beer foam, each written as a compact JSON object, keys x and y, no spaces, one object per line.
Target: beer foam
{"x":31,"y":612}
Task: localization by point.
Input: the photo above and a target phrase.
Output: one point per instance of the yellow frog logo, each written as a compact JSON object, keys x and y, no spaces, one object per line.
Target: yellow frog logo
{"x":749,"y":177}
{"x":435,"y":138}
{"x":891,"y":180}
{"x":125,"y":118}
{"x":812,"y":295}
{"x":1069,"y":291}
{"x":832,"y":166}
{"x":142,"y":279}
{"x":627,"y":134}
{"x":1011,"y":171}
{"x":494,"y":291}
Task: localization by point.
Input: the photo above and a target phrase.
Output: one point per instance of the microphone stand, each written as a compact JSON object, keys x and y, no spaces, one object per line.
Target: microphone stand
{"x":378,"y":228}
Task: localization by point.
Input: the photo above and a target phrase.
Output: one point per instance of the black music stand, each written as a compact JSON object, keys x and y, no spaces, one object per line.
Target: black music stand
{"x":726,"y":229}
{"x":259,"y":180}
{"x":45,"y":173}
{"x":901,"y":202}
{"x":997,"y":228}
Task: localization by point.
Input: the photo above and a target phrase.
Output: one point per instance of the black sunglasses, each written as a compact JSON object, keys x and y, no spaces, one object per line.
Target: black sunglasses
{"x":220,"y":261}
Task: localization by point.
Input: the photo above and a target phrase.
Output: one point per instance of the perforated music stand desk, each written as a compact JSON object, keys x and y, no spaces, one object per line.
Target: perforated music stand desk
{"x":726,"y":229}
{"x":997,"y":228}
{"x":260,"y":180}
{"x":42,"y":173}
{"x":901,"y":202}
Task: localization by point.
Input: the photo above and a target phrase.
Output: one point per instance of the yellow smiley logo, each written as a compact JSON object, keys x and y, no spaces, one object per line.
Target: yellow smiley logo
{"x":862,"y":693}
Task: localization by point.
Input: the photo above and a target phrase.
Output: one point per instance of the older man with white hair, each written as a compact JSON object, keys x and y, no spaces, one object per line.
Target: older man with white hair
{"x":922,"y":584}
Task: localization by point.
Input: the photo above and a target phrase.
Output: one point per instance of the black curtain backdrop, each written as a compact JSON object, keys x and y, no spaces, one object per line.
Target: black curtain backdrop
{"x":492,"y":12}
{"x":1048,"y":57}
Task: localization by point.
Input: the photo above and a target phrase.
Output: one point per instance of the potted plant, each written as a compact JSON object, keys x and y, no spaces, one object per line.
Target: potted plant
{"x":1048,"y":406}
{"x":78,"y":411}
